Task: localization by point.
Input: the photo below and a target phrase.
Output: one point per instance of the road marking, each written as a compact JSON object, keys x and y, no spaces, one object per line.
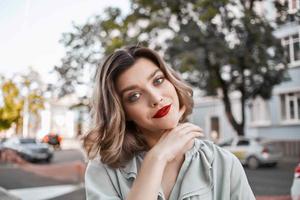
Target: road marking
{"x":46,"y":192}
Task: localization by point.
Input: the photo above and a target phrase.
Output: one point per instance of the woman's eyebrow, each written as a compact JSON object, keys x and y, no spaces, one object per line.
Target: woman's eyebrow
{"x":153,"y":74}
{"x":135,"y":86}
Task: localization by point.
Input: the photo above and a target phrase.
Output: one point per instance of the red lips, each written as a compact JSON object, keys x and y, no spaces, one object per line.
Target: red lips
{"x":162,"y":112}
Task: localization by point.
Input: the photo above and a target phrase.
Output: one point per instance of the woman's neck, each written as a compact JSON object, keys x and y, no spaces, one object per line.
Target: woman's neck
{"x":152,"y":137}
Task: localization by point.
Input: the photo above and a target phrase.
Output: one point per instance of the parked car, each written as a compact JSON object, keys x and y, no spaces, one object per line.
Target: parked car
{"x":1,"y":146}
{"x":2,"y":140}
{"x":295,"y":189}
{"x":53,"y":139}
{"x":30,"y":149}
{"x":253,"y":152}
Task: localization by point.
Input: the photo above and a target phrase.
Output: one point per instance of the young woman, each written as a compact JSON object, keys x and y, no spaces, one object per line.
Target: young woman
{"x":142,"y":147}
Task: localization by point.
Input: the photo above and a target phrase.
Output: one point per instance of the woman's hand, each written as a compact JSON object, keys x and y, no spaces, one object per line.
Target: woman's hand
{"x":176,"y":141}
{"x":171,"y":144}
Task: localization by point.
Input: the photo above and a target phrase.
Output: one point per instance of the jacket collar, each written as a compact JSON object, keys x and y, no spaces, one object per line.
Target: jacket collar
{"x":131,"y":168}
{"x":197,"y":173}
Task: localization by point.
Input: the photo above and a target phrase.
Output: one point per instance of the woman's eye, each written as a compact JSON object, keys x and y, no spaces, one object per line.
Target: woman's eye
{"x":159,"y":80}
{"x":134,"y":97}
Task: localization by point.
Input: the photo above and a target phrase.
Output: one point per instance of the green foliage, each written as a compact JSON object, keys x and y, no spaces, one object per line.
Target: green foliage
{"x":10,"y":112}
{"x":283,"y":16}
{"x":13,"y":102}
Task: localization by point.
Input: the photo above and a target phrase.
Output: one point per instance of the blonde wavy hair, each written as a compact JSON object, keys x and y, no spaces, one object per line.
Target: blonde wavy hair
{"x":112,"y":137}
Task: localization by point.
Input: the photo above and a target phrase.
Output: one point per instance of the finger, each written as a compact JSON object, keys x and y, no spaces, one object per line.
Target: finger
{"x":185,"y":128}
{"x":188,"y":139}
{"x":164,"y":135}
{"x":189,"y":128}
{"x":179,"y":127}
{"x":195,"y":126}
{"x":191,"y":135}
{"x":188,"y":123}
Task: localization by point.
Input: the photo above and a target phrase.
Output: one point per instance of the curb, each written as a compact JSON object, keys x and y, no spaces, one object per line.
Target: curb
{"x":284,"y":197}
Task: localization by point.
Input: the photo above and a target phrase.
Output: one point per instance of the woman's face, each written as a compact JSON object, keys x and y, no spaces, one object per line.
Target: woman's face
{"x":144,"y":90}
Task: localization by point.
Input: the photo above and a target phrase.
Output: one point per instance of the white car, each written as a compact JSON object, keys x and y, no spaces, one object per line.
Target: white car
{"x":253,"y":152}
{"x":29,"y":149}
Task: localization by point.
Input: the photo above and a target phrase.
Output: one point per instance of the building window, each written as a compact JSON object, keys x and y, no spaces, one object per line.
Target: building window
{"x":215,"y":128}
{"x":292,"y":46}
{"x":260,"y":113}
{"x":243,"y":143}
{"x":294,"y":6}
{"x":290,"y":107}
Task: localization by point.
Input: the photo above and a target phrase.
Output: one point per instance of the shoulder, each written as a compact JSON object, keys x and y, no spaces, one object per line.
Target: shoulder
{"x":219,"y":160}
{"x":95,"y":168}
{"x":106,"y":181}
{"x":98,"y":174}
{"x":99,"y":182}
{"x":213,"y":153}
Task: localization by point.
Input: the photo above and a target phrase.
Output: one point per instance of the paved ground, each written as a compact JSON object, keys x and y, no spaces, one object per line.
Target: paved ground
{"x":272,"y":180}
{"x":23,"y":181}
{"x":267,"y":183}
{"x":76,"y":195}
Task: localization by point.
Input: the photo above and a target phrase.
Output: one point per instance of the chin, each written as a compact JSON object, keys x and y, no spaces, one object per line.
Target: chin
{"x":168,"y":124}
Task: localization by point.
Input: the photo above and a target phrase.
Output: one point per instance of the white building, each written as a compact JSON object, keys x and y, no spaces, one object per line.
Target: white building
{"x":277,"y":118}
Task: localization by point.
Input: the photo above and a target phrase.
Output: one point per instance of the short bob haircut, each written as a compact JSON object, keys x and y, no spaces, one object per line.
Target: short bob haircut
{"x":112,"y":137}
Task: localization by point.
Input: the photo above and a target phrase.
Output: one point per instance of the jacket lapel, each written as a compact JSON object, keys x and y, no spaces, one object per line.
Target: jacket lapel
{"x":198,"y":175}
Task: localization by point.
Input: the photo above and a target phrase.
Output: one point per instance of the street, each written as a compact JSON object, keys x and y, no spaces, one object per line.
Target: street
{"x":272,"y":180}
{"x":265,"y":181}
{"x":12,"y":177}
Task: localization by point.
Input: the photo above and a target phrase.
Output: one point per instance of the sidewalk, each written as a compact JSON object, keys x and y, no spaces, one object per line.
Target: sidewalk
{"x":45,"y":192}
{"x":69,"y":176}
{"x":6,"y":195}
{"x":72,"y":171}
{"x":71,"y":143}
{"x":286,"y":197}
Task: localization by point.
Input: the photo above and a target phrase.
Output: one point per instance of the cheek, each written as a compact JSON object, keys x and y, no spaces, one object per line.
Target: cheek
{"x":172,"y":91}
{"x":133,"y":112}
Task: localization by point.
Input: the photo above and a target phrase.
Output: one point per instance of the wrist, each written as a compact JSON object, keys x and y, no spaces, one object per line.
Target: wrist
{"x":156,"y":157}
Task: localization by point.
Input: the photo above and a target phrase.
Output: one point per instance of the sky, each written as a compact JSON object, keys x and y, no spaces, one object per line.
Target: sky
{"x":31,"y":30}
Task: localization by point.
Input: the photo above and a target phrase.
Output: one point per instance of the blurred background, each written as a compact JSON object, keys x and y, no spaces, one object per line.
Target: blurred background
{"x":241,"y":57}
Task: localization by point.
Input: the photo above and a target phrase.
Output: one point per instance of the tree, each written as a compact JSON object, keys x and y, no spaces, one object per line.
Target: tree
{"x":12,"y":105}
{"x":13,"y":100}
{"x":87,"y":44}
{"x":220,"y":44}
{"x":226,"y":45}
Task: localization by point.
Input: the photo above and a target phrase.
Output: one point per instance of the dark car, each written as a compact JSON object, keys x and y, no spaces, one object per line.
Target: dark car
{"x":29,"y":149}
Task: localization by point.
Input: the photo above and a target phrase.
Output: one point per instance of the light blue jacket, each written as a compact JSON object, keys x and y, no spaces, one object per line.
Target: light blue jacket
{"x":208,"y":172}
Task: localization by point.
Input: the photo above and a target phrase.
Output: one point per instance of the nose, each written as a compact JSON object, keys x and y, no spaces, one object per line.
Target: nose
{"x":155,"y":98}
{"x":154,"y":104}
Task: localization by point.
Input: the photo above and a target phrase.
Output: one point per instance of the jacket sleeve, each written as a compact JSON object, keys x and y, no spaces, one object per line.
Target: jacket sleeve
{"x":239,"y":186}
{"x":98,"y":185}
